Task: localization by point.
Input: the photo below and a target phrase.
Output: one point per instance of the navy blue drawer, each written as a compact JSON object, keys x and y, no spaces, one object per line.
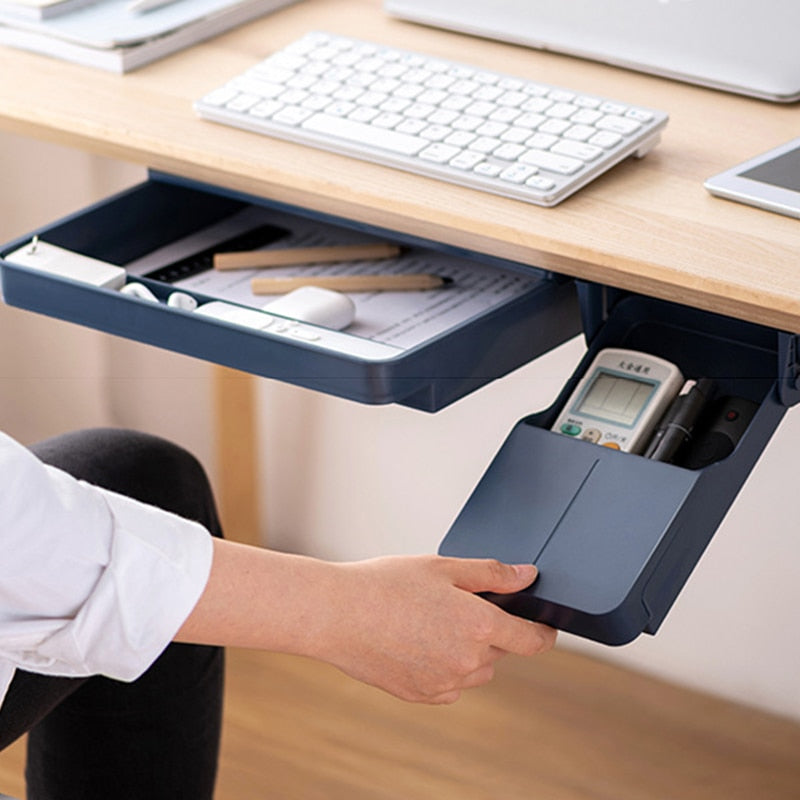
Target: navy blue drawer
{"x":537,"y":312}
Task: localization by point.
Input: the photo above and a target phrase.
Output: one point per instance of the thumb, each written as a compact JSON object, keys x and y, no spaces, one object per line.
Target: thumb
{"x":488,"y":575}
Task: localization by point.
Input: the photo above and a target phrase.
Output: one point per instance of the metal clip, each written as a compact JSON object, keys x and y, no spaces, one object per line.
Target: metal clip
{"x":789,"y":376}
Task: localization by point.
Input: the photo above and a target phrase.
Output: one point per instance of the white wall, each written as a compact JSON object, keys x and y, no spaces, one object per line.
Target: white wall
{"x":55,"y":376}
{"x":346,"y":481}
{"x":50,"y":372}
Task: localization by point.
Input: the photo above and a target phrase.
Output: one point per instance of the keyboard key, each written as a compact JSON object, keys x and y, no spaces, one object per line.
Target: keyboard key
{"x":412,"y":126}
{"x":364,"y":114}
{"x":467,"y":123}
{"x":467,"y":159}
{"x":435,"y":133}
{"x":420,"y":110}
{"x":440,"y":153}
{"x":292,"y":115}
{"x":440,"y":82}
{"x":622,"y":125}
{"x":266,"y":108}
{"x":254,"y":85}
{"x":564,"y":165}
{"x":517,"y":134}
{"x":586,"y":116}
{"x":540,"y":183}
{"x":316,"y":102}
{"x":554,"y":126}
{"x":443,"y":117}
{"x":492,"y":129}
{"x":485,"y":144}
{"x":613,"y":108}
{"x":529,"y":120}
{"x":509,"y":152}
{"x":366,"y":134}
{"x":385,"y":120}
{"x":561,"y":110}
{"x":605,"y":139}
{"x":243,"y":102}
{"x":585,"y":152}
{"x":461,"y":138}
{"x":639,"y":114}
{"x":518,"y":173}
{"x":221,"y":96}
{"x":488,"y":169}
{"x":579,"y":133}
{"x":542,"y":141}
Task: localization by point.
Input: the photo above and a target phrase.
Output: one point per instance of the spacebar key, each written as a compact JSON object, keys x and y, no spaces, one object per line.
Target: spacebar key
{"x":364,"y":134}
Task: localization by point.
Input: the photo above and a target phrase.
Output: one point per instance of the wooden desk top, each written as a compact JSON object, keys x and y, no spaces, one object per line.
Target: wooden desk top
{"x":648,"y":225}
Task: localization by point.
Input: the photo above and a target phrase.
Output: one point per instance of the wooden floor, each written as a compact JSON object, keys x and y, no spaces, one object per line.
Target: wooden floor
{"x":561,"y":727}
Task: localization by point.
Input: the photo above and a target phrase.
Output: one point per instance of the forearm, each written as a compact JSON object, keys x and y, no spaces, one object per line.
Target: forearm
{"x":411,"y":625}
{"x":261,"y":599}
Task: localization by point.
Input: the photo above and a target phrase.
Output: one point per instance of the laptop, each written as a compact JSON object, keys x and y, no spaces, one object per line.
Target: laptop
{"x":749,"y":47}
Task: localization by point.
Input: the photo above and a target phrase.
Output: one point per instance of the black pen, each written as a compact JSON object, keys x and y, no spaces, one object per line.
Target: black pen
{"x":678,"y":422}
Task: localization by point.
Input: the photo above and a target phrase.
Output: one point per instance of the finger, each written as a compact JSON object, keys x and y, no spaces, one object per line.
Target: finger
{"x":489,"y":575}
{"x":480,"y":677}
{"x":444,"y":699}
{"x":523,"y":637}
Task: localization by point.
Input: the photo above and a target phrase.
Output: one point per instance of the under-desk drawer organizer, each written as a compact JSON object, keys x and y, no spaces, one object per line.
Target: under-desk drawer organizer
{"x":158,"y":221}
{"x":616,"y":535}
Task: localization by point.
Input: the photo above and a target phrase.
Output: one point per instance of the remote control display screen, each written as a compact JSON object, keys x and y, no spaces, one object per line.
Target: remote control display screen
{"x":615,"y":398}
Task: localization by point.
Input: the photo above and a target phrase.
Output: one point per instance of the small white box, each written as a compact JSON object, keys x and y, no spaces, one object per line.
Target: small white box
{"x":58,"y":261}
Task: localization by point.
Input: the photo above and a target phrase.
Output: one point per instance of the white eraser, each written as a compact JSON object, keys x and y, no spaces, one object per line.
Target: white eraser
{"x":316,"y":306}
{"x":58,"y":261}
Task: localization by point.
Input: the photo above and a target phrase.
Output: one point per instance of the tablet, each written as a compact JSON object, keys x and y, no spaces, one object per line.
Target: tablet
{"x":770,"y":180}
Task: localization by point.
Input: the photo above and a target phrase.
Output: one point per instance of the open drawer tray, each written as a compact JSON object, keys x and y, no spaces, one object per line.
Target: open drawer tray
{"x":423,"y":349}
{"x":616,"y":535}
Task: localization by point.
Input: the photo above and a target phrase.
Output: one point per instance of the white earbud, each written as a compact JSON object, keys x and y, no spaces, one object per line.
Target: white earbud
{"x":139,"y":290}
{"x":182,"y":300}
{"x":318,"y":306}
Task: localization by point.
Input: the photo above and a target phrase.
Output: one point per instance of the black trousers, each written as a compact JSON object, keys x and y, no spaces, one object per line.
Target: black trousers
{"x":158,"y":737}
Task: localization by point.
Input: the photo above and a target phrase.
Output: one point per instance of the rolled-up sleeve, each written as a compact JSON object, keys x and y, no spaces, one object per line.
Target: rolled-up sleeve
{"x":91,"y":582}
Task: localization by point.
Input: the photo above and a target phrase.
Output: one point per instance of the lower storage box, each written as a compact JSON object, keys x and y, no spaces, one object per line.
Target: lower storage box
{"x":616,"y":535}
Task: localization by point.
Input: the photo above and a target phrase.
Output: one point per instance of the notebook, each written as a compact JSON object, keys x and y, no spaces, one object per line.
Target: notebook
{"x":105,"y":34}
{"x":745,"y":46}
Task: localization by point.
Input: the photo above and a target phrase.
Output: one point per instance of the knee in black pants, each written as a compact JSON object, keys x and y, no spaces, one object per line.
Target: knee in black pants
{"x":139,"y":465}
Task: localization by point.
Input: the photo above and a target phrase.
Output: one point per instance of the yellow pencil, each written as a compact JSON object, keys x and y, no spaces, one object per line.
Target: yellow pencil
{"x":352,"y":283}
{"x":296,"y":256}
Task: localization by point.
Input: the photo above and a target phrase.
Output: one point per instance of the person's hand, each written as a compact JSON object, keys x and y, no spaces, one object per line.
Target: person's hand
{"x":411,"y":625}
{"x":414,"y":627}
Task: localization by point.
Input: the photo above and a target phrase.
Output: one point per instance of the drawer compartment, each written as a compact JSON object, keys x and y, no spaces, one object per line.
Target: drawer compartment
{"x":617,"y":535}
{"x":423,"y":349}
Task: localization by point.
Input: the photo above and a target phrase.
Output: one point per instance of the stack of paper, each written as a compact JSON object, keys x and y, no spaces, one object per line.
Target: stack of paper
{"x":110,"y":35}
{"x":38,"y":9}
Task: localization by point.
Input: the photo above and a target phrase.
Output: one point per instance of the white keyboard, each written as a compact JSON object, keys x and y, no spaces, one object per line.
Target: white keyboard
{"x":458,"y":123}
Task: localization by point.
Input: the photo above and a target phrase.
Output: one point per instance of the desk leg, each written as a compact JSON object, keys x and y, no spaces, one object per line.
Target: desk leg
{"x":235,"y":428}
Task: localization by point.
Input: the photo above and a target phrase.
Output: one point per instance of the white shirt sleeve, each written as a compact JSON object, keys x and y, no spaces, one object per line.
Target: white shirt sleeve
{"x":91,"y":582}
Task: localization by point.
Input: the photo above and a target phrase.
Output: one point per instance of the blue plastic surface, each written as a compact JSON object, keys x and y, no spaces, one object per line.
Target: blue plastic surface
{"x":428,"y":377}
{"x":615,"y":535}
